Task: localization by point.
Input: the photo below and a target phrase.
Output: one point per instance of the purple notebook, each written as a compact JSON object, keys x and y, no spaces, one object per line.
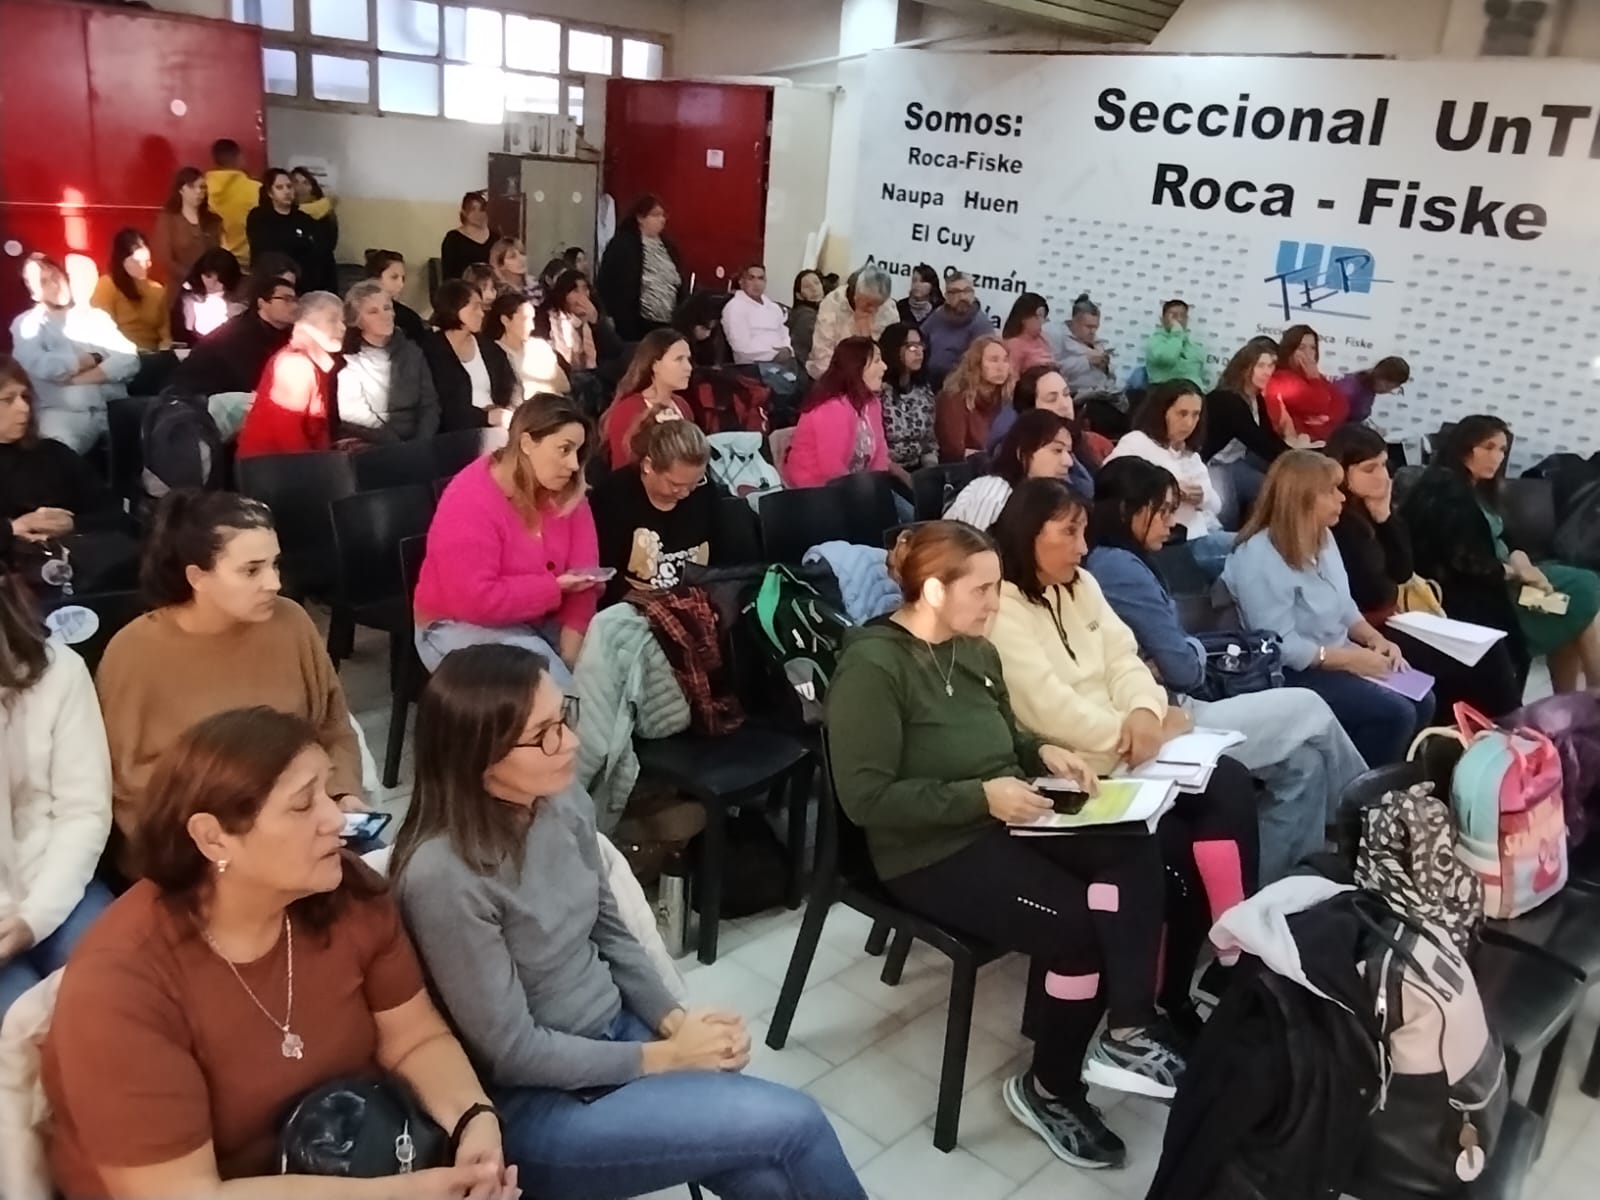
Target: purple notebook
{"x":1409,"y":682}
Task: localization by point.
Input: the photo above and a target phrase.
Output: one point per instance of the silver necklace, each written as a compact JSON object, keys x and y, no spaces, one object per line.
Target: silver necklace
{"x":946,"y":676}
{"x":293,"y":1045}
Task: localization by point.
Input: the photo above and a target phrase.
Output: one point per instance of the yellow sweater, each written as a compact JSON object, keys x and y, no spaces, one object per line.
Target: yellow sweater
{"x":147,"y":323}
{"x":1077,"y":698}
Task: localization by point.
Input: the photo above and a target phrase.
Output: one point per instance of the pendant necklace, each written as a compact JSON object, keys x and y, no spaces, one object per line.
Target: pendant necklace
{"x":293,"y":1045}
{"x":946,"y":676}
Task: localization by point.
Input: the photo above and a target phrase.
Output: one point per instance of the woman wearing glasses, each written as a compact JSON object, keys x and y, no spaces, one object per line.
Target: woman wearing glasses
{"x":604,"y":1086}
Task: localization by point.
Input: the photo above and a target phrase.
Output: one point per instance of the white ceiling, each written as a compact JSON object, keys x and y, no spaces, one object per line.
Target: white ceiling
{"x":1101,"y":20}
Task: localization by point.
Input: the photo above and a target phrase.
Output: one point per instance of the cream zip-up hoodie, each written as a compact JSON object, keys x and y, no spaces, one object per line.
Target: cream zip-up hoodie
{"x":1074,"y":685}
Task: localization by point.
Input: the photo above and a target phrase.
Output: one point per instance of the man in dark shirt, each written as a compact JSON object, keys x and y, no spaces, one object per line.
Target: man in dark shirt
{"x":230,"y":358}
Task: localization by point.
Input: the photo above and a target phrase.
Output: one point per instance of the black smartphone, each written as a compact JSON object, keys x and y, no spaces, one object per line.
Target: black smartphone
{"x":364,"y":826}
{"x":1065,"y":802}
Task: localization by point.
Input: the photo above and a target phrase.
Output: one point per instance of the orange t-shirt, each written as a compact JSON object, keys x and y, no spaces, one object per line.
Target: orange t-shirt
{"x":155,"y":1048}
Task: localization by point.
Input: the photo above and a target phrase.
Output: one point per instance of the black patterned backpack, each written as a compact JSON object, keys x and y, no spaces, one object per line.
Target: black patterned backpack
{"x":1408,"y":857}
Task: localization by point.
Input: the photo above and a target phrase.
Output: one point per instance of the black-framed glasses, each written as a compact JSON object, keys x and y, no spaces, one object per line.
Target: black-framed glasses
{"x":548,"y":736}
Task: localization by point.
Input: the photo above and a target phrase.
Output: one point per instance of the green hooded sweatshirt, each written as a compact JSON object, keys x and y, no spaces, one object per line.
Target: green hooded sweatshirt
{"x":1174,"y":354}
{"x":910,"y":760}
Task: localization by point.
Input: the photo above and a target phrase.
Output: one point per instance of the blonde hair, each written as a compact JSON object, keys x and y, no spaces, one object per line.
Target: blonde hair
{"x":1286,"y":508}
{"x":667,"y":442}
{"x":503,"y":247}
{"x":539,"y":417}
{"x":938,"y":550}
{"x":966,"y":380}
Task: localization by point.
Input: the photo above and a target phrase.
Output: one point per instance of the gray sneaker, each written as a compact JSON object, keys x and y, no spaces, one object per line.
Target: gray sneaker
{"x":1146,"y":1063}
{"x":1072,"y":1127}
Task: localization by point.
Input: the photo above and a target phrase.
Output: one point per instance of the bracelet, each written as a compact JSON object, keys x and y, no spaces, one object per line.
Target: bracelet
{"x":477,"y":1110}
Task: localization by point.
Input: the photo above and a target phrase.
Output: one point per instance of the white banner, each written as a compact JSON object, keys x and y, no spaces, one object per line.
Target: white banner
{"x":1446,"y":212}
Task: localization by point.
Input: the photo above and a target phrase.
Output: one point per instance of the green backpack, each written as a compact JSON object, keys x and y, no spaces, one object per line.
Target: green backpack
{"x":800,"y":633}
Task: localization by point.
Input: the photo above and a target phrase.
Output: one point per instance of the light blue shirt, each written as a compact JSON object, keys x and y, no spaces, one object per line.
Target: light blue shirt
{"x":1308,"y":608}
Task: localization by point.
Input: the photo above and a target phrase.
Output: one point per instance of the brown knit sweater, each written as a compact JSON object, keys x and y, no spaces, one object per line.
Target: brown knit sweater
{"x":155,"y":681}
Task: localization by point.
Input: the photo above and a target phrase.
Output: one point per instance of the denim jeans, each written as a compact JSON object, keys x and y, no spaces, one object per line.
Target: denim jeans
{"x":1381,"y":723}
{"x":1210,"y":551}
{"x":1302,"y":756}
{"x":19,"y":974}
{"x":439,"y":638}
{"x":743,"y":1138}
{"x":1239,"y":483}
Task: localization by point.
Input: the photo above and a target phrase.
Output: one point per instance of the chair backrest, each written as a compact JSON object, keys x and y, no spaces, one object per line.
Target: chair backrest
{"x":1405,"y":479}
{"x":872,"y":507}
{"x":736,"y":532}
{"x":298,"y":488}
{"x":394,"y":465}
{"x":1529,"y":509}
{"x":778,"y":445}
{"x":114,"y":610}
{"x":794,"y":520}
{"x":841,"y":843}
{"x":933,"y":488}
{"x":368,"y":529}
{"x":453,"y":451}
{"x":412,"y":551}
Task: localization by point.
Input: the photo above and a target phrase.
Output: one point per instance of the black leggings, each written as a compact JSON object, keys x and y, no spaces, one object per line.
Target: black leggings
{"x":1077,"y":905}
{"x":1210,"y":843}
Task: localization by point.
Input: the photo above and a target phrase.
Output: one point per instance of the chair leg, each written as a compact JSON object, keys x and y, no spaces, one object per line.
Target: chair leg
{"x":1542,"y":1095}
{"x":794,"y":979}
{"x":399,"y":707}
{"x":1590,"y":1085}
{"x":708,"y":879}
{"x":953,"y":1071}
{"x":895,"y":964}
{"x":695,"y":1193}
{"x":878,"y":938}
{"x":799,"y":802}
{"x":341,"y":635}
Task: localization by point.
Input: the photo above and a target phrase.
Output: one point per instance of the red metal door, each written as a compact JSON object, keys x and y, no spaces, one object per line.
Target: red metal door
{"x":701,"y":147}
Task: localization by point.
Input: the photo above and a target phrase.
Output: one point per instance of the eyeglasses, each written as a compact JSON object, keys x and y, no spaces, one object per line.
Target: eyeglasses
{"x":547,"y":738}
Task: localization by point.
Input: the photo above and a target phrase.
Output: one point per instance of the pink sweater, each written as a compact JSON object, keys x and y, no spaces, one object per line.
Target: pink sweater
{"x":485,"y":567}
{"x":825,"y":438}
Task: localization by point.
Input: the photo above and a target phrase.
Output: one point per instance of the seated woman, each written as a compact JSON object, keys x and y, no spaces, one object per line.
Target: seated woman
{"x":660,"y":369}
{"x":840,"y":431}
{"x":511,"y":550}
{"x":1023,"y":333}
{"x":657,"y":515}
{"x":473,"y":378}
{"x":295,"y":410}
{"x":1045,"y":387}
{"x":218,"y":636}
{"x":535,"y":365}
{"x":385,"y":389}
{"x":1294,"y":744}
{"x":907,"y":398}
{"x":252,"y":964}
{"x":1073,"y":672}
{"x":929,"y":761}
{"x":1240,"y":441}
{"x":1286,"y":575}
{"x":974,"y":393}
{"x":568,"y":317}
{"x":212,"y":293}
{"x":55,"y":795}
{"x":802,"y":320}
{"x":509,"y":262}
{"x":137,"y":303}
{"x":604,"y":1085}
{"x":388,"y":267}
{"x":1376,"y":548}
{"x":1039,"y":446}
{"x":46,"y":491}
{"x":1460,"y":538}
{"x":1302,"y":403}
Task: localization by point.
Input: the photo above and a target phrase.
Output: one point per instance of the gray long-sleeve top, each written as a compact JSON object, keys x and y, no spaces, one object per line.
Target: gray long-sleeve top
{"x":533,"y":965}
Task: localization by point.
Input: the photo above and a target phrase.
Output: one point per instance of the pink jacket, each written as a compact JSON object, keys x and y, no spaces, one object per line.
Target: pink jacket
{"x":825,"y":438}
{"x":485,"y":567}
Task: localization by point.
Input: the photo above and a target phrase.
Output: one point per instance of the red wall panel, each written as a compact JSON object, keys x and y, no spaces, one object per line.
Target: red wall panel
{"x":663,"y":137}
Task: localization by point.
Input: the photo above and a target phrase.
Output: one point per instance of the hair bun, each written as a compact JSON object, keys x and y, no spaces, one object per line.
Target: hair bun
{"x":897,"y":555}
{"x":1083,"y":298}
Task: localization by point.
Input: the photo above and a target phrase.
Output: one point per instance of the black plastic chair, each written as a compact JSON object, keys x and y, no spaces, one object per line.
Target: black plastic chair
{"x":369,"y":589}
{"x":933,"y":488}
{"x":735,"y":532}
{"x":1529,"y":509}
{"x":298,"y":488}
{"x":125,"y":444}
{"x":796,"y":519}
{"x":844,"y":873}
{"x":407,"y":675}
{"x":872,"y":509}
{"x":399,"y":464}
{"x":453,"y":451}
{"x":725,"y":772}
{"x":1529,"y":996}
{"x":1515,"y":1151}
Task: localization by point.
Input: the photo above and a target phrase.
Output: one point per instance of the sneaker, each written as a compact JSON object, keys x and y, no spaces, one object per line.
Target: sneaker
{"x":1072,"y":1127}
{"x":1146,"y":1063}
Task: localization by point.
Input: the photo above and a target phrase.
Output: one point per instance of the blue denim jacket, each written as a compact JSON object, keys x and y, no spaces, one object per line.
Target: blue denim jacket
{"x":1137,"y":595}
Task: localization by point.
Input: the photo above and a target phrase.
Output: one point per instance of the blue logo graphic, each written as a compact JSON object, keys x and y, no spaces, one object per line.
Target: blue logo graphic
{"x":1310,"y":275}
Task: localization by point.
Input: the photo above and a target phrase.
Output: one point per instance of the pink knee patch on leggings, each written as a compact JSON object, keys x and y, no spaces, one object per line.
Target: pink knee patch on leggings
{"x":1071,"y":987}
{"x":1221,"y":872}
{"x":1104,"y":897}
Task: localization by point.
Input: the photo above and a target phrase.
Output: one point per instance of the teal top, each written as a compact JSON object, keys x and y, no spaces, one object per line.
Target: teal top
{"x":1497,"y":530}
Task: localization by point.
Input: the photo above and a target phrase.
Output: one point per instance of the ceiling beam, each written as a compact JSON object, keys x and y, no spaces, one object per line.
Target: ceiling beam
{"x":1134,"y":20}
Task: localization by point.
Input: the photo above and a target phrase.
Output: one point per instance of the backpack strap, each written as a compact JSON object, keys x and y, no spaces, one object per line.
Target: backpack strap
{"x":1436,"y":731}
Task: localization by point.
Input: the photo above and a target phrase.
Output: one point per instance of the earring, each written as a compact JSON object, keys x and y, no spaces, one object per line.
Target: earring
{"x":222,"y":866}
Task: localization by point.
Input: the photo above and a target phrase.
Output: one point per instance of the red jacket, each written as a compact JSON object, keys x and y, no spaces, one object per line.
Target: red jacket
{"x":1314,"y":406}
{"x":293,"y":412}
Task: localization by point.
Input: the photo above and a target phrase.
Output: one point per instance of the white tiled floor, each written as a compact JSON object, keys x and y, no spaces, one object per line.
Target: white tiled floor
{"x":870,"y":1053}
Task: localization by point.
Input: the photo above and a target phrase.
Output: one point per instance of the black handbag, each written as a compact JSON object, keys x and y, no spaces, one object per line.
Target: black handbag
{"x":1239,"y":661}
{"x":366,"y":1128}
